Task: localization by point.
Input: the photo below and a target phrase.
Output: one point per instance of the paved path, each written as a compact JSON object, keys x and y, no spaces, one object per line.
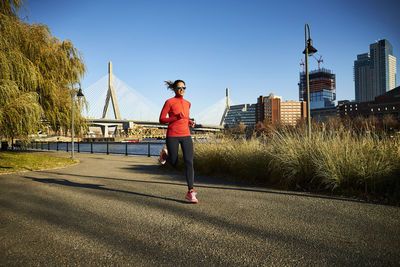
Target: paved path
{"x":119,"y":211}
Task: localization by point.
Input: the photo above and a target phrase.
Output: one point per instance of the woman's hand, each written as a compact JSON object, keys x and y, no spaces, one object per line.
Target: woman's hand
{"x":180,"y":116}
{"x":192,"y":123}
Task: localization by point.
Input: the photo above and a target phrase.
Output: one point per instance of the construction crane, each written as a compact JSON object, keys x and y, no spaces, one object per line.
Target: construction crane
{"x":319,"y":61}
{"x":304,"y":65}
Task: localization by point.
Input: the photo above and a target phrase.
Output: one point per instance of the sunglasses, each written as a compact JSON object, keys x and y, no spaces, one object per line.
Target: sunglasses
{"x":181,"y":87}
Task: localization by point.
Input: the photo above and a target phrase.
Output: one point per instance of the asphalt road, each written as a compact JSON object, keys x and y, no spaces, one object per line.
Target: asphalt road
{"x":125,"y":211}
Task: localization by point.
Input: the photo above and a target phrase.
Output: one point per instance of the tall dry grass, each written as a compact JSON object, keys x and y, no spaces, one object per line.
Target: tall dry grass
{"x":336,"y":161}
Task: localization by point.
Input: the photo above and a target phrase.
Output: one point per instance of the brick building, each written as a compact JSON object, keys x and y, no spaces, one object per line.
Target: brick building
{"x":387,"y":103}
{"x":268,"y":107}
{"x":275,"y":110}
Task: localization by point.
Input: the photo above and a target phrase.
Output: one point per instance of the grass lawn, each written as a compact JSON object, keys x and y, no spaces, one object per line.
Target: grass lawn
{"x":17,"y":161}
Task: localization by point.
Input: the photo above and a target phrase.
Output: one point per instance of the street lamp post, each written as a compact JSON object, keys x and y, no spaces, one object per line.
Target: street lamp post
{"x":308,"y":51}
{"x":79,"y":94}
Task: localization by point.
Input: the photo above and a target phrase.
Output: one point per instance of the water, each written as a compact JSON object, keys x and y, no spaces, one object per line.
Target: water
{"x":142,"y":148}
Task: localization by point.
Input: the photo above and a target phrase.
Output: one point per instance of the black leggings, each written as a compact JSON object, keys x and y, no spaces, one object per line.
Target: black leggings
{"x":187,"y":149}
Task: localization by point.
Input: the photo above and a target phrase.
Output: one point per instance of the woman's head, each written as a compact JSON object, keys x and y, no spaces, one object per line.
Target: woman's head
{"x":178,"y":87}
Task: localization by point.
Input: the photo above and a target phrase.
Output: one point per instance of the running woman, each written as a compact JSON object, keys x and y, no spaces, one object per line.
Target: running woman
{"x":178,"y":132}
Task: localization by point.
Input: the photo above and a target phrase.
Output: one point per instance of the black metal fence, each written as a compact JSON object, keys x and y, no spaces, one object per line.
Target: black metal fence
{"x":148,"y":149}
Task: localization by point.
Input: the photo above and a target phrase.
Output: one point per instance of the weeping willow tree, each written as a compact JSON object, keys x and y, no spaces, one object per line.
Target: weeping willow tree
{"x":37,"y":72}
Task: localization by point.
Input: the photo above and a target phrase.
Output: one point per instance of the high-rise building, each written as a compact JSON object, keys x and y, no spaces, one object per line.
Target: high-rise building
{"x":273,"y":109}
{"x":392,"y":72}
{"x":375,"y":72}
{"x":322,"y":88}
{"x":363,"y":77}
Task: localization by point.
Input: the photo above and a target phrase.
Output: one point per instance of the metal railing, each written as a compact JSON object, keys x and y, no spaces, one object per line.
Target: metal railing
{"x":148,"y":149}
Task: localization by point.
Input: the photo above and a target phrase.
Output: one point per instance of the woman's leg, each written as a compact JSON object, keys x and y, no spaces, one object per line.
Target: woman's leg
{"x":172,"y":147}
{"x":187,"y":149}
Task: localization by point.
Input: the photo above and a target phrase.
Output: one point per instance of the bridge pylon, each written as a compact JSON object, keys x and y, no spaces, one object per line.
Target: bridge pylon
{"x":111,"y":96}
{"x":227,"y":107}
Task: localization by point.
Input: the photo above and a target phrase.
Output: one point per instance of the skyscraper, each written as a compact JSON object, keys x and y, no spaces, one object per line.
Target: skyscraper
{"x":322,"y":88}
{"x":375,"y":72}
{"x":363,"y":77}
{"x":392,"y":72}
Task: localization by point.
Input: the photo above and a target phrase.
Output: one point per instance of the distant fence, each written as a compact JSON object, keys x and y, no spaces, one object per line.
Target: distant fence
{"x":149,"y":149}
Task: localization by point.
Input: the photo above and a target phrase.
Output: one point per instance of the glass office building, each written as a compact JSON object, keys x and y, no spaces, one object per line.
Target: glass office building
{"x":245,"y":113}
{"x":375,"y":72}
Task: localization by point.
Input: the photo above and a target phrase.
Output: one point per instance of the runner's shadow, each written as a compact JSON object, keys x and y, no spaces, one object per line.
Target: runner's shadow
{"x":99,"y":187}
{"x":174,"y":174}
{"x":212,"y":183}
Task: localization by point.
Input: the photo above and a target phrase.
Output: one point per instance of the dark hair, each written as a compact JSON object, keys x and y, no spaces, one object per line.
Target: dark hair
{"x":173,"y":85}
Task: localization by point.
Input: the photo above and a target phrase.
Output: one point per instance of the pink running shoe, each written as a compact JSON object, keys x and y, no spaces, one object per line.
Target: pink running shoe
{"x":191,"y":196}
{"x":163,"y":156}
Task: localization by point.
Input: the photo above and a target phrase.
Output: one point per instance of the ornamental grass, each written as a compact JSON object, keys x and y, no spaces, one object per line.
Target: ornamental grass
{"x":338,"y":161}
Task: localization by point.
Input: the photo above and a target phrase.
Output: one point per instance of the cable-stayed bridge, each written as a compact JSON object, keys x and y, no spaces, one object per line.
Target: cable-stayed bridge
{"x":112,"y":104}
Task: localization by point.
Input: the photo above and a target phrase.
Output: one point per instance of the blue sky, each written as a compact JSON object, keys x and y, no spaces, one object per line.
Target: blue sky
{"x":252,"y":47}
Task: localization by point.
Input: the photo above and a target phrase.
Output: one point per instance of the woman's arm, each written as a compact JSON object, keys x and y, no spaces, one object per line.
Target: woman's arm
{"x":164,"y":112}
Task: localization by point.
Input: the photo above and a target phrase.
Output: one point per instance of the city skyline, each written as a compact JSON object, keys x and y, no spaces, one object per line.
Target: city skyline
{"x":254,"y":48}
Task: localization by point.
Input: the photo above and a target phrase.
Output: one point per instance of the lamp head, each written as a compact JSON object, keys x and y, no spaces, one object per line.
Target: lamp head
{"x":311,"y":49}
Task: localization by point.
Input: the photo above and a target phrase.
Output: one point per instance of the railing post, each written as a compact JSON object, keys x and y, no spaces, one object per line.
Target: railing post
{"x":67,"y":146}
{"x":91,"y":147}
{"x":41,"y":145}
{"x":48,"y":145}
{"x":57,"y":145}
{"x":126,"y":149}
{"x":148,"y":149}
{"x":78,"y":147}
{"x":107,"y":147}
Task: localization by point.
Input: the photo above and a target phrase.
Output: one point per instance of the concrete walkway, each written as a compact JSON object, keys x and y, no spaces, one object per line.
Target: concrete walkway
{"x":121,"y":211}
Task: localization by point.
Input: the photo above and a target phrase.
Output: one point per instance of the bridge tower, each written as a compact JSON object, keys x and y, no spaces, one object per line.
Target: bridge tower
{"x":227,"y":107}
{"x":110,"y":96}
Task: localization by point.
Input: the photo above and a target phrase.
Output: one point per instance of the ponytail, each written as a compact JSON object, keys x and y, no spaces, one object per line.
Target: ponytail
{"x":172,"y":85}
